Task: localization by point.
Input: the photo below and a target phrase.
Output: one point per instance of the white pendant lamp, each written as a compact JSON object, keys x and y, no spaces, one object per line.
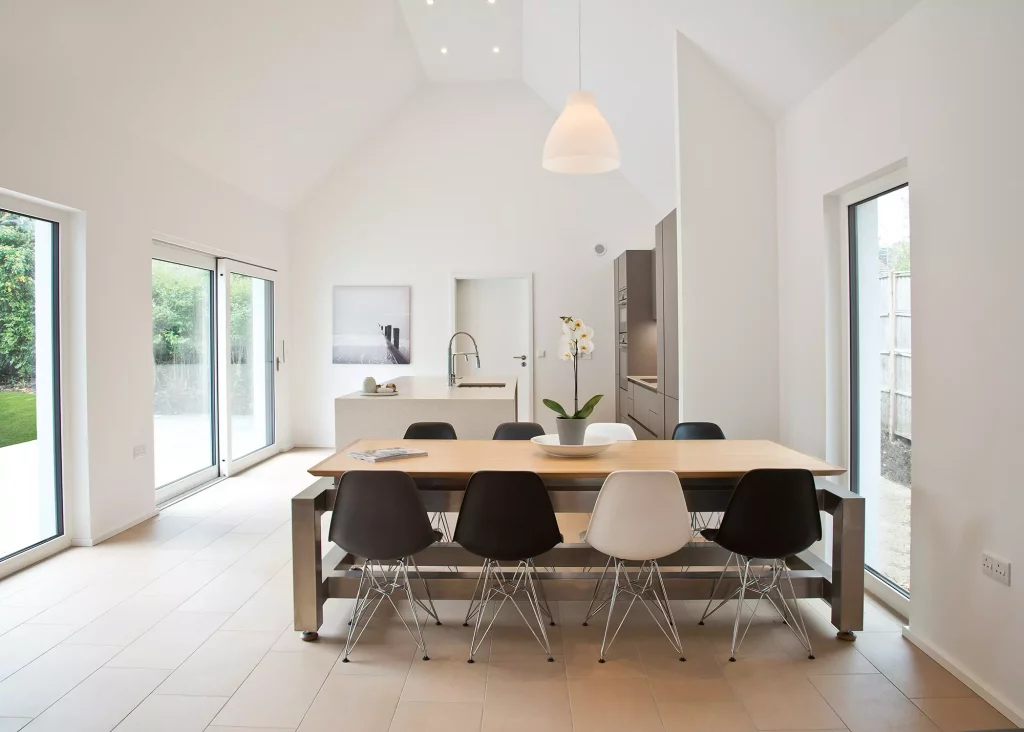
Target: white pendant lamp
{"x":581,"y":142}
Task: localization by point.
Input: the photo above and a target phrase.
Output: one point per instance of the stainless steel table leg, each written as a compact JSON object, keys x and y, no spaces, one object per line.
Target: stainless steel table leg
{"x":848,"y":565}
{"x":308,"y":588}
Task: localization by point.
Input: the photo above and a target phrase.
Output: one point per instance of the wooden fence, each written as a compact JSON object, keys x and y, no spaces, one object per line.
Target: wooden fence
{"x":894,"y":288}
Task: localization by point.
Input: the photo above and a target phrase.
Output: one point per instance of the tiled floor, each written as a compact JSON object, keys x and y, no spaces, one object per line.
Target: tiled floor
{"x":183,"y":624}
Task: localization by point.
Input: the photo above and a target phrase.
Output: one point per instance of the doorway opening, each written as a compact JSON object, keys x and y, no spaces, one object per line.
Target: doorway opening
{"x":31,"y":499}
{"x":498,"y":312}
{"x":881,"y":443}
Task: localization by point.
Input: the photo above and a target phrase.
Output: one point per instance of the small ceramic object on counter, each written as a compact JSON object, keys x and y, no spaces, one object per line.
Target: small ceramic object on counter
{"x":369,"y":385}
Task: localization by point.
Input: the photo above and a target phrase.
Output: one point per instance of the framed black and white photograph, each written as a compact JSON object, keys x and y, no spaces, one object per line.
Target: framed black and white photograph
{"x":372,"y":325}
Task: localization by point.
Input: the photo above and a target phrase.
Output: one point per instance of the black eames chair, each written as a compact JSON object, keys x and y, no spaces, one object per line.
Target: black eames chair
{"x":430,"y":431}
{"x":379,"y":516}
{"x":700,"y":492}
{"x":507,"y":517}
{"x":433,"y":431}
{"x":772,"y":515}
{"x":518,"y":431}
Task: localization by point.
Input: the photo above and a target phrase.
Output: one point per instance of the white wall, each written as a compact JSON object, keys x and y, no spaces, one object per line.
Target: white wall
{"x":125,"y":192}
{"x":454,"y":185}
{"x":942,"y":89}
{"x":727,"y":253}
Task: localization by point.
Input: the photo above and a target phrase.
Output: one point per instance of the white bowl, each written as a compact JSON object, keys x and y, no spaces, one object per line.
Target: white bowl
{"x":592,"y":446}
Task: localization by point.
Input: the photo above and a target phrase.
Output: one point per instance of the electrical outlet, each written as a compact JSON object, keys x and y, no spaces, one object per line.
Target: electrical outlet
{"x":997,"y":569}
{"x":138,"y":451}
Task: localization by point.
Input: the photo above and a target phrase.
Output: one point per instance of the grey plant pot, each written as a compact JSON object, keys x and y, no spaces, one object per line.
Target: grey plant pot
{"x":571,"y":431}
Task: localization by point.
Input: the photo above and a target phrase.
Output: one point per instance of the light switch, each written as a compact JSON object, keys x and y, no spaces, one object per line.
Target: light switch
{"x":540,"y":353}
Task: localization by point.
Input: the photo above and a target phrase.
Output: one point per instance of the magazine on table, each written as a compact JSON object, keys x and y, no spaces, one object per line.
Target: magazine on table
{"x":384,"y":454}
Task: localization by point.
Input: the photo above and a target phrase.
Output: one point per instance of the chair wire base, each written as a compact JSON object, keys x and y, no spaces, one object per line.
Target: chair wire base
{"x":375,"y":586}
{"x":763,"y":583}
{"x":701,"y":521}
{"x":649,"y":588}
{"x":439,"y":521}
{"x":494,"y":583}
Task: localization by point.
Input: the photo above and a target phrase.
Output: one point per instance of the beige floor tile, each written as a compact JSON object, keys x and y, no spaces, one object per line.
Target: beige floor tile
{"x":909,"y":668}
{"x":126,"y":621}
{"x":509,"y":682}
{"x":355,"y":703}
{"x":705,"y":716}
{"x":168,"y":643}
{"x":184,"y":580}
{"x":199,"y":536}
{"x":226,"y":593}
{"x":26,"y":643}
{"x":218,"y":728}
{"x":99,"y":702}
{"x":87,"y":604}
{"x":31,"y":690}
{"x":270,"y":609}
{"x":12,"y":617}
{"x":446,"y":681}
{"x":437,"y":717}
{"x":220,"y":665}
{"x":535,"y":715}
{"x":671,"y":689}
{"x":962,"y":715}
{"x":600,"y":704}
{"x":784,"y":701}
{"x":278,"y":691}
{"x":229,"y":547}
{"x":869,"y":702}
{"x":172,"y":714}
{"x":13,"y":724}
{"x":583,"y":652}
{"x":264,"y":524}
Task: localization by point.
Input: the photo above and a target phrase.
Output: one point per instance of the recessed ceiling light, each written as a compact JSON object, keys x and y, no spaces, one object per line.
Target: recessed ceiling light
{"x":430,"y":2}
{"x":491,"y":2}
{"x":496,"y":49}
{"x":444,"y":49}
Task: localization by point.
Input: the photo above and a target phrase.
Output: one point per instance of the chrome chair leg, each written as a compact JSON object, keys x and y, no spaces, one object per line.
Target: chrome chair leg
{"x":763,"y":585}
{"x":496,"y":585}
{"x":374,"y":588}
{"x":707,"y":610}
{"x":538,"y":590}
{"x":591,"y":610}
{"x":649,"y":589}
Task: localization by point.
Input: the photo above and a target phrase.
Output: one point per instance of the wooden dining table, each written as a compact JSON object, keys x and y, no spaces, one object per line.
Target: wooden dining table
{"x":573,"y":484}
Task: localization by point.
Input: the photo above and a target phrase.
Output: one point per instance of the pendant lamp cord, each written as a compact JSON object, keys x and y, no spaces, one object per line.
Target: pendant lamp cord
{"x":579,"y":42}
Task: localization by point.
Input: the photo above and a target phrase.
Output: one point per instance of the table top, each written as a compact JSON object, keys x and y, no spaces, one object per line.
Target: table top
{"x":687,"y":458}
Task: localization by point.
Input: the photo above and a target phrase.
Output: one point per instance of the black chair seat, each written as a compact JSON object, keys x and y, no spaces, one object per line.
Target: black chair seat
{"x":709,"y":534}
{"x":518,"y":431}
{"x":773,"y":514}
{"x":507,"y":516}
{"x":380,"y":515}
{"x":430,"y":431}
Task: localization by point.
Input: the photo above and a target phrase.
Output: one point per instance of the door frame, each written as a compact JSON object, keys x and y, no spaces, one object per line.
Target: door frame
{"x":61,"y":293}
{"x":879,"y":185}
{"x":454,"y":318}
{"x":228,"y":464}
{"x":174,"y":254}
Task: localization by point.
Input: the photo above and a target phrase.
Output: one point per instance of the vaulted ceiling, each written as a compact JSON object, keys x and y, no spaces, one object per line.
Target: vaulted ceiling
{"x":270,"y":95}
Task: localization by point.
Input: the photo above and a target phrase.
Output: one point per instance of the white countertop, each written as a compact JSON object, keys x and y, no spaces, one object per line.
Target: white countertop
{"x":436,"y":387}
{"x":649,"y":385}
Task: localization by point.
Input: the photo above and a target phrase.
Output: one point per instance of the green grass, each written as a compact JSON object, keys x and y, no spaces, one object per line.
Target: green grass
{"x":17,"y":418}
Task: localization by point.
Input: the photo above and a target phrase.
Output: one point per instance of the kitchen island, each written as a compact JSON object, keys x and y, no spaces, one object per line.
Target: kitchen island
{"x":473,"y":407}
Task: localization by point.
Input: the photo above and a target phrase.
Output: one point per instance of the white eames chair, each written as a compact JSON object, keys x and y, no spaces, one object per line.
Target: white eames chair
{"x":639,"y":516}
{"x":614,"y":430}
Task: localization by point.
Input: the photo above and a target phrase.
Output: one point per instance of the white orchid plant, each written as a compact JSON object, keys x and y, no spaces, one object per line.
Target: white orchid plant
{"x":577,"y":340}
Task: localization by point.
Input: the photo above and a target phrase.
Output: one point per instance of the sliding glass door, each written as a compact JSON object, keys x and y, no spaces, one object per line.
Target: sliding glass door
{"x":214,"y":361}
{"x":31,"y":503}
{"x":247,"y":363}
{"x":185,"y":451}
{"x":880,"y":320}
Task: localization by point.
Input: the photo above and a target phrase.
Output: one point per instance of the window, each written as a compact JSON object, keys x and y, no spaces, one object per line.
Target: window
{"x":184,"y":403}
{"x":31,"y":503}
{"x":880,"y":377}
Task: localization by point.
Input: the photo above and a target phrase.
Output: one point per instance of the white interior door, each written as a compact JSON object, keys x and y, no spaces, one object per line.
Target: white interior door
{"x":498,"y":313}
{"x":247,"y":364}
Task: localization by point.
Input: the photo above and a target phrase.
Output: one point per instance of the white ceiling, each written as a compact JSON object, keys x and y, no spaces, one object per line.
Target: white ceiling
{"x":470,"y":30}
{"x":269,"y":95}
